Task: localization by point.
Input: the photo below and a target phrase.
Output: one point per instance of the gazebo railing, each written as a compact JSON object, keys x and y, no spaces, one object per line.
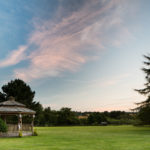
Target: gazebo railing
{"x":14,"y":127}
{"x":26,"y":127}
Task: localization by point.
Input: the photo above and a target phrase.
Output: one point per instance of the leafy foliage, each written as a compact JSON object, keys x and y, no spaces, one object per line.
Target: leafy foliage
{"x":35,"y":133}
{"x":96,"y":118}
{"x":3,"y":126}
{"x":144,"y":114}
{"x":66,"y":117}
{"x":50,"y":117}
{"x":20,"y":90}
{"x":20,"y":134}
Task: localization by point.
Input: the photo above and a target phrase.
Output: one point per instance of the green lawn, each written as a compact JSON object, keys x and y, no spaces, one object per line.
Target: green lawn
{"x":82,"y":138}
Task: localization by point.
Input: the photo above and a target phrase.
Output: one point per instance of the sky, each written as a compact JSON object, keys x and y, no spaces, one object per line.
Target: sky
{"x":82,"y":54}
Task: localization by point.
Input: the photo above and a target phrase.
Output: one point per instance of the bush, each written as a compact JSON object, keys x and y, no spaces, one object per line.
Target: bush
{"x":20,"y":134}
{"x":35,"y":133}
{"x":114,"y":121}
{"x":138,"y":122}
{"x":3,"y":126}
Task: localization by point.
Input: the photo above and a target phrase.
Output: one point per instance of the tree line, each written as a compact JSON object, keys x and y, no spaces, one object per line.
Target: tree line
{"x":65,"y":116}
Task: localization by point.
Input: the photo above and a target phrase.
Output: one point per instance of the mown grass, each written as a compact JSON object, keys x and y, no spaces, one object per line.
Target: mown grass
{"x":82,"y":138}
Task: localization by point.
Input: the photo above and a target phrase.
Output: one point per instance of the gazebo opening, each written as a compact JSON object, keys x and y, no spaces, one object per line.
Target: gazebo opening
{"x":17,"y":117}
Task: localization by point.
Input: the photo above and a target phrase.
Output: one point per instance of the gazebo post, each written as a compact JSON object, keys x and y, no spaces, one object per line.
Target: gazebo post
{"x":32,"y":123}
{"x":20,"y":122}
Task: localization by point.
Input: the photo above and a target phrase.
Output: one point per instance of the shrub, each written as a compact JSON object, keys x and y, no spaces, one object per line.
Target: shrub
{"x":20,"y":134}
{"x":3,"y":126}
{"x":138,"y":122}
{"x":35,"y":133}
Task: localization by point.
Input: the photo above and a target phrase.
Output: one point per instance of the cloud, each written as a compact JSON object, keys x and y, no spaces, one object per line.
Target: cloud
{"x":14,"y":57}
{"x":71,"y":39}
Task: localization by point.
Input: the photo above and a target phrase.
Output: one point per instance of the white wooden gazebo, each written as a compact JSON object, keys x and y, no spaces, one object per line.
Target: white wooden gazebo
{"x":14,"y":108}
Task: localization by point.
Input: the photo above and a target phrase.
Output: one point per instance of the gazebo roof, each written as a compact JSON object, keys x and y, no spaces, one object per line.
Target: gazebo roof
{"x":13,"y":107}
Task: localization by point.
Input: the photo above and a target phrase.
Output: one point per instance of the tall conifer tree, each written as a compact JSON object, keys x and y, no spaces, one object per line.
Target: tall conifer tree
{"x":144,"y":107}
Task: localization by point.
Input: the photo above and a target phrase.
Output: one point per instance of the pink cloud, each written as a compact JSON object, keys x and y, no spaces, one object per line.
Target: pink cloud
{"x":14,"y":57}
{"x":64,"y":45}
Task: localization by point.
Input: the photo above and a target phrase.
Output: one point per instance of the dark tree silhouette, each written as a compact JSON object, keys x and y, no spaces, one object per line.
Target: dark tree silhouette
{"x":144,"y":107}
{"x":20,"y":90}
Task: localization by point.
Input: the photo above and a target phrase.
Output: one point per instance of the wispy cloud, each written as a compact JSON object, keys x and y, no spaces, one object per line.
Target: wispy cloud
{"x":14,"y":57}
{"x":67,"y":43}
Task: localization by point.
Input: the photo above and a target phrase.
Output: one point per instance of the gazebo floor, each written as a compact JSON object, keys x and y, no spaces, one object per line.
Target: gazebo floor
{"x":16,"y":134}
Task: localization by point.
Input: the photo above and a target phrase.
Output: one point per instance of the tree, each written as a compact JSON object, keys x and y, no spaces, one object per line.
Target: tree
{"x":2,"y":97}
{"x":50,"y":117}
{"x":96,"y":118}
{"x":67,"y":117}
{"x":117,"y":114}
{"x":23,"y":94}
{"x":144,"y":107}
{"x":144,"y":115}
{"x":20,"y":90}
{"x":3,"y":126}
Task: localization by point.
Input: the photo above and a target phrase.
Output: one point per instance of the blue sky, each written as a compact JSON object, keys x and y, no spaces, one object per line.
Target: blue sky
{"x":83,"y":54}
